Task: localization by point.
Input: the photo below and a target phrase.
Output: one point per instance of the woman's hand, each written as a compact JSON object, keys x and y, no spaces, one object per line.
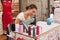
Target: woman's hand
{"x":17,"y":21}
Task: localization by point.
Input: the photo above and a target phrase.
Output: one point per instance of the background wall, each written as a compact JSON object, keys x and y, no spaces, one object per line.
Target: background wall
{"x":0,"y":6}
{"x":42,"y":5}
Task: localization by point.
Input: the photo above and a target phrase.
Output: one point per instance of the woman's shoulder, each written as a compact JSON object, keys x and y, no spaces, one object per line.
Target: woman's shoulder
{"x":21,"y":13}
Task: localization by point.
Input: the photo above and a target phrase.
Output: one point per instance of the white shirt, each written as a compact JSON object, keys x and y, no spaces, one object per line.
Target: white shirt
{"x":21,"y":16}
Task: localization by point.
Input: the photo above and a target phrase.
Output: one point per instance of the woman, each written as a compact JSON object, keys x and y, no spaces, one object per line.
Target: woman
{"x":30,"y":10}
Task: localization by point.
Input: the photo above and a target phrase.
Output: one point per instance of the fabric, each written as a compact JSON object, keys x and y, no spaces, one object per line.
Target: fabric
{"x":34,"y":22}
{"x":21,"y":16}
{"x":53,"y":8}
{"x":16,"y":27}
{"x":8,"y":38}
{"x":13,"y":27}
{"x":57,"y":15}
{"x":7,"y":14}
{"x":19,"y":39}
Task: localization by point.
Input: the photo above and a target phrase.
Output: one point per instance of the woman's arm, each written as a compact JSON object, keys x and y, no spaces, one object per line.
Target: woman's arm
{"x":17,"y":21}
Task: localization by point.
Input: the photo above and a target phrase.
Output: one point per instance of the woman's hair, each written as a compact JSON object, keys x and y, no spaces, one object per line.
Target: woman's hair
{"x":31,"y":7}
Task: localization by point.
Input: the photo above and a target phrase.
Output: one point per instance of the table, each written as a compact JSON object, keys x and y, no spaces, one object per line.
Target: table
{"x":48,"y":32}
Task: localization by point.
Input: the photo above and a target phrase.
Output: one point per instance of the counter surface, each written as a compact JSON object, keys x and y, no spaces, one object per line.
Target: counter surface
{"x":47,"y":32}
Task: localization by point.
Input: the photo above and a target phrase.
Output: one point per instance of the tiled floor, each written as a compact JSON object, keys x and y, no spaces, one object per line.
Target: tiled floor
{"x":2,"y":37}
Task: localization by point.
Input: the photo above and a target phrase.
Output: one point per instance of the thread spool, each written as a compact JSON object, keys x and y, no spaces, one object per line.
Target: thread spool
{"x":21,"y":28}
{"x":34,"y":32}
{"x":37,"y":30}
{"x":24,"y":29}
{"x":29,"y":30}
{"x":16,"y":27}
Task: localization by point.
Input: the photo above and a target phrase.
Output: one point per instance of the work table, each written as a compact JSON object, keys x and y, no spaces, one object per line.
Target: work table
{"x":47,"y":32}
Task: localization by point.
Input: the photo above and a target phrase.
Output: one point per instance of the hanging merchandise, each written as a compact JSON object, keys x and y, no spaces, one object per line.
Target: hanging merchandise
{"x":7,"y":13}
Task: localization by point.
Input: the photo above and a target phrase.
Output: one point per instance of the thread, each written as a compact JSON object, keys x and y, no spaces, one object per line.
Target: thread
{"x":16,"y":27}
{"x":21,"y":28}
{"x":29,"y":30}
{"x":33,"y":31}
{"x":37,"y":30}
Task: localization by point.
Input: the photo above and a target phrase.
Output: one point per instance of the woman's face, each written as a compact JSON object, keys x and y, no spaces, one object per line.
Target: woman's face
{"x":32,"y":11}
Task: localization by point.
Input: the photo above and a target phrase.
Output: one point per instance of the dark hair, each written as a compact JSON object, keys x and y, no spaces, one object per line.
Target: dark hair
{"x":31,"y":7}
